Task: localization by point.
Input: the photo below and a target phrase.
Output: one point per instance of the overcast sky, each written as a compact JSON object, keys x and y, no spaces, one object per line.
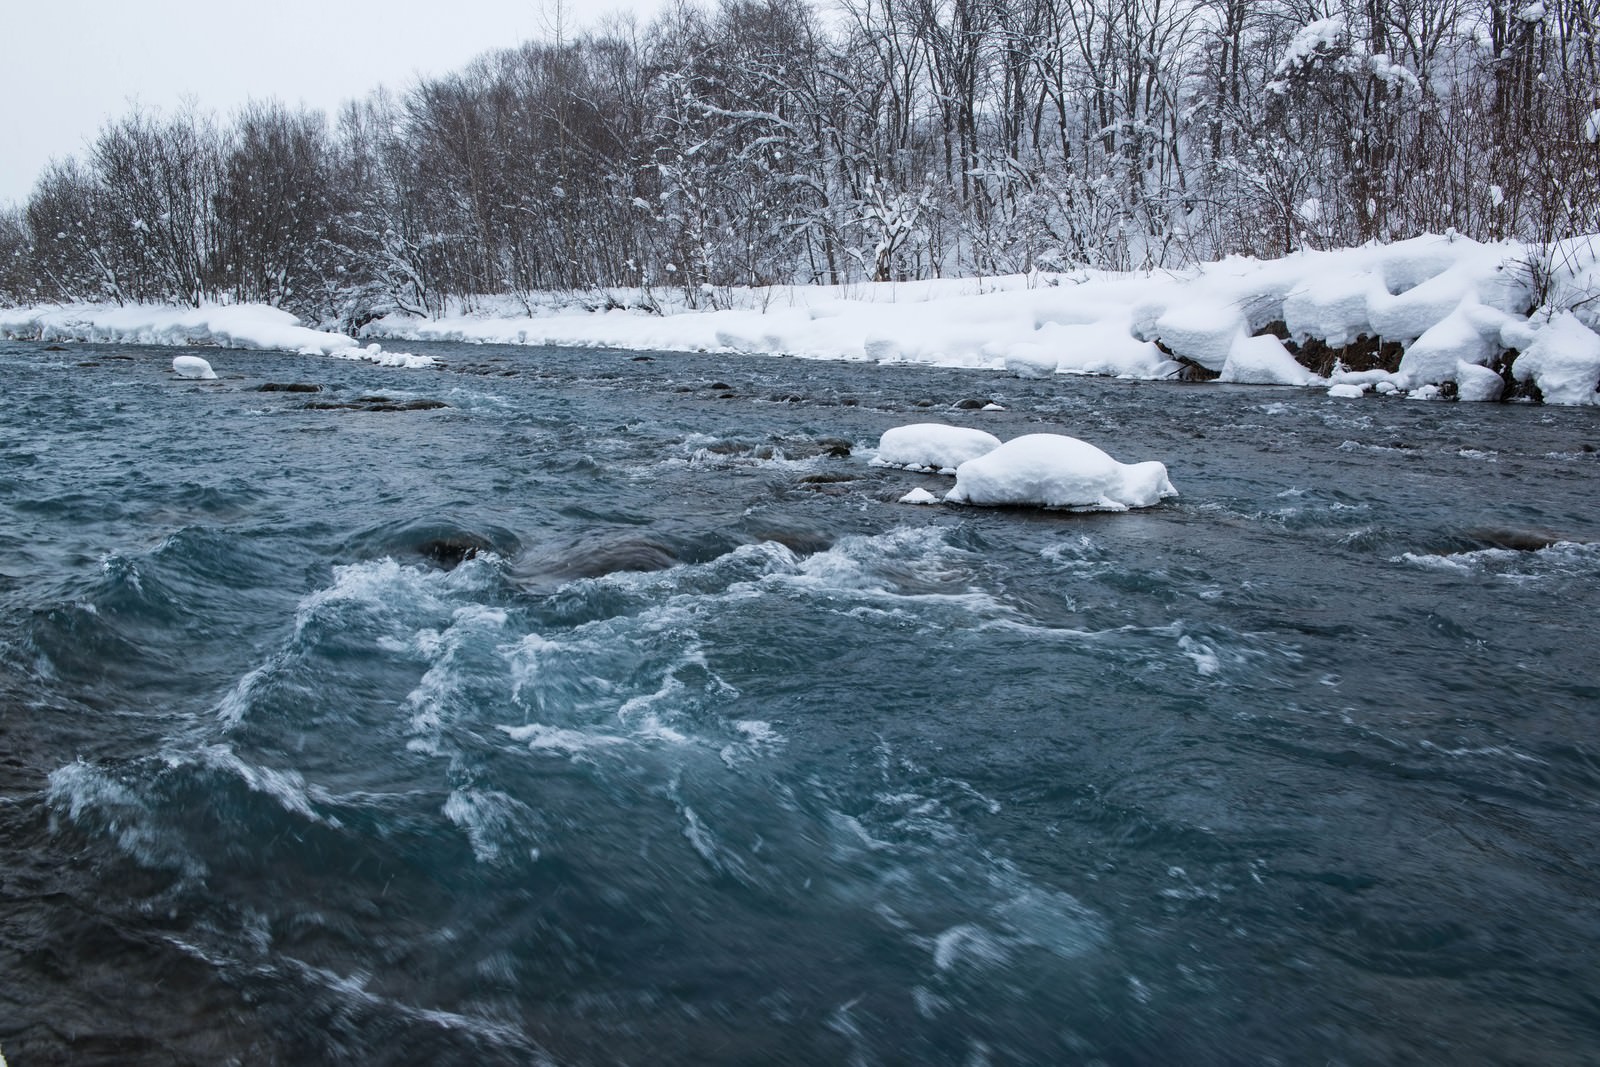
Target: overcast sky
{"x":69,"y":65}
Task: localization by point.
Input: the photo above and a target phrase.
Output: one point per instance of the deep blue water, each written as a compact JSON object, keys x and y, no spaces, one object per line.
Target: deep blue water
{"x":610,"y":714}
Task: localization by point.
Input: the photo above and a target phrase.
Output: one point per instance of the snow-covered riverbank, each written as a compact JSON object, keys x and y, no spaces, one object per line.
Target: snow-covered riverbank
{"x":234,"y":326}
{"x":1429,"y":316}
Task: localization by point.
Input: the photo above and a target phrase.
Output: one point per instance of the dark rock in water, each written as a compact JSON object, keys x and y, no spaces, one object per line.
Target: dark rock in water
{"x":731,"y":446}
{"x":837,"y":447}
{"x":88,"y":363}
{"x":719,"y":385}
{"x":55,"y":348}
{"x":826,"y":478}
{"x":376,"y":403}
{"x":420,"y":404}
{"x":784,"y":447}
{"x":450,"y":551}
{"x":288,"y":387}
{"x":970,"y":404}
{"x":439,"y":542}
{"x":1515,"y":538}
{"x":551,"y":566}
{"x":801,"y":540}
{"x":644,"y":359}
{"x":923,"y":403}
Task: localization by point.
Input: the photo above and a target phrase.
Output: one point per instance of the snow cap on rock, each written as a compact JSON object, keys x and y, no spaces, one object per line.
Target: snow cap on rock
{"x":192,"y":367}
{"x":1054,"y":471}
{"x":932,"y":446}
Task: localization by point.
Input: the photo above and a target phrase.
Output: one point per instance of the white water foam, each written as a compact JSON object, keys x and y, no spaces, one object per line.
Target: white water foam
{"x":288,"y":788}
{"x":93,"y":798}
{"x":438,"y":698}
{"x":489,"y":817}
{"x":1562,"y":559}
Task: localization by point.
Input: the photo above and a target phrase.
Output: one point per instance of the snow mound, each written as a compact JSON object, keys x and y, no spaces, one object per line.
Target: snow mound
{"x":1563,"y":361}
{"x":1262,"y":361}
{"x":932,"y":446}
{"x":1054,"y":471}
{"x":1347,"y":391}
{"x":192,"y":367}
{"x":919,"y":496}
{"x":1478,"y":383}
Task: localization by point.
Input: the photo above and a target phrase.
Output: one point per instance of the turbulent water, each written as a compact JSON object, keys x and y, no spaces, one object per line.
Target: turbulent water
{"x":615,"y":712}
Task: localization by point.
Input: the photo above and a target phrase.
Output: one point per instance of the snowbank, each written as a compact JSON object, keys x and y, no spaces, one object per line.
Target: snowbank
{"x":1053,"y":471}
{"x":932,"y":446}
{"x":1458,"y":309}
{"x":233,"y":326}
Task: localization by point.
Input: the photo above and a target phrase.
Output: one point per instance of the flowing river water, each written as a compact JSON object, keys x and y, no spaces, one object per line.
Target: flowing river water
{"x":616,"y":712}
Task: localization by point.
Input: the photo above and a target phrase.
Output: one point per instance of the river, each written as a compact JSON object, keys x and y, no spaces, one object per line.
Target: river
{"x":615,"y":711}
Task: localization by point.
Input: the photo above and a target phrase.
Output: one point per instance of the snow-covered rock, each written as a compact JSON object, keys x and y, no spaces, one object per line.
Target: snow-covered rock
{"x":1203,"y":331}
{"x":192,"y":367}
{"x":1055,"y":471}
{"x":1262,"y":361}
{"x":932,"y":446}
{"x":1563,"y":361}
{"x":1469,"y":335}
{"x":919,"y":495}
{"x":1347,"y":391}
{"x":1478,"y":383}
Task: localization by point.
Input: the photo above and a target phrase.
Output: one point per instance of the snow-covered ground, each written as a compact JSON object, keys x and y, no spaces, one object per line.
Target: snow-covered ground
{"x":1459,"y":308}
{"x":233,"y":326}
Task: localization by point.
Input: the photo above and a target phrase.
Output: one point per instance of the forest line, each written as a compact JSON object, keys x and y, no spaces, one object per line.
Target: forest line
{"x":760,"y":142}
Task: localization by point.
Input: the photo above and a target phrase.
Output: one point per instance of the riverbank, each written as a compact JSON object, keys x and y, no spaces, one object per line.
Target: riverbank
{"x":1435,"y":316}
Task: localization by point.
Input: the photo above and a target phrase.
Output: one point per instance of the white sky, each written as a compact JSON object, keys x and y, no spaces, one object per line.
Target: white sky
{"x":70,"y":65}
